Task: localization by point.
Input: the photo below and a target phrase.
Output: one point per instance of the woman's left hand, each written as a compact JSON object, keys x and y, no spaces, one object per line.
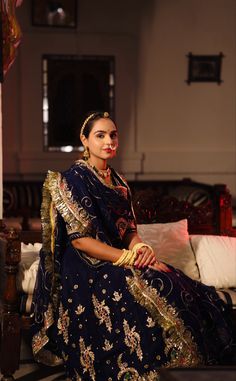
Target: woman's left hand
{"x":145,"y":257}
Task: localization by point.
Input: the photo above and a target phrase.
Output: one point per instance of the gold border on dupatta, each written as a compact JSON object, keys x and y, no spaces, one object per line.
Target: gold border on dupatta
{"x":178,"y":339}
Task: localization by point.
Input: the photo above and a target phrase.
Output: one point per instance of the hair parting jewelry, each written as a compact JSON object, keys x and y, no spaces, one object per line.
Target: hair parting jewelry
{"x":85,"y":122}
{"x":105,"y":115}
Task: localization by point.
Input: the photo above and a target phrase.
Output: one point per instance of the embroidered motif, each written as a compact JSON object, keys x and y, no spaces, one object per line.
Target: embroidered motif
{"x":116,"y":296}
{"x":78,"y":378}
{"x":131,"y":374}
{"x":150,"y":322}
{"x":102,"y":312}
{"x":63,"y":323}
{"x":72,"y":212}
{"x":179,"y":343}
{"x":107,"y":345}
{"x":80,"y":309}
{"x":41,"y":338}
{"x":121,"y":225}
{"x":87,"y":359}
{"x":64,"y":356}
{"x":132,"y":340}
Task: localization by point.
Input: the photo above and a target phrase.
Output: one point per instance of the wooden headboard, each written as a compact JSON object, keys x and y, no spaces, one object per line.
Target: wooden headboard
{"x":208,"y":208}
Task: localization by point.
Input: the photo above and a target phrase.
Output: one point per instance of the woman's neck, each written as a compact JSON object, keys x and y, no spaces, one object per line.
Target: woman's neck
{"x":99,"y":164}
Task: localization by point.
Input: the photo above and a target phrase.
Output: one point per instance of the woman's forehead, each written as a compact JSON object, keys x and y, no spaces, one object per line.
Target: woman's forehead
{"x":104,"y":124}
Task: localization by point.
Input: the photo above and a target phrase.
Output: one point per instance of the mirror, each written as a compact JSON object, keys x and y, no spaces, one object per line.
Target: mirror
{"x":73,"y":86}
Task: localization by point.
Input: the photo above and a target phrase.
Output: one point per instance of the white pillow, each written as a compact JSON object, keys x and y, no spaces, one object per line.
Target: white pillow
{"x":216,"y":259}
{"x":170,"y":241}
{"x":28,"y":267}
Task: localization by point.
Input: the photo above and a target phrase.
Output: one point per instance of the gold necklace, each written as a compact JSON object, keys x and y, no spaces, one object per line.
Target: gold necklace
{"x":103,"y":173}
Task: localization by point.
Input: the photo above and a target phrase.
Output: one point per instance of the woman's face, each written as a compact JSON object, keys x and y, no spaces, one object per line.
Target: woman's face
{"x":102,"y":140}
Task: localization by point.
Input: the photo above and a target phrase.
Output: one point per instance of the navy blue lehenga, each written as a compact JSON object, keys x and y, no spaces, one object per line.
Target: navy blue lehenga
{"x":112,"y":323}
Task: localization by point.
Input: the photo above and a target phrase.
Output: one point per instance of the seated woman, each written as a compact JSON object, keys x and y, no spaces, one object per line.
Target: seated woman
{"x":111,"y":310}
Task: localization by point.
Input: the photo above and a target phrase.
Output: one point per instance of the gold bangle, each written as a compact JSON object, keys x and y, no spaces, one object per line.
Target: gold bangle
{"x":139,"y":245}
{"x":127,"y":258}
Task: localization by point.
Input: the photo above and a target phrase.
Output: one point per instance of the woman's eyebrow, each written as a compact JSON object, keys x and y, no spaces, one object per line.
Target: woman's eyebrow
{"x":105,"y":132}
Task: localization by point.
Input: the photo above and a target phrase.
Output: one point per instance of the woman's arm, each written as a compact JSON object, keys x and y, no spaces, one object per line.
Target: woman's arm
{"x":131,"y":239}
{"x":97,"y":249}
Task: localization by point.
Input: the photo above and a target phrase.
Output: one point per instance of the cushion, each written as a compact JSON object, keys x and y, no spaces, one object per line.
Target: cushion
{"x":28,"y":267}
{"x":35,"y":224}
{"x":216,"y":259}
{"x":13,"y":222}
{"x":170,"y":241}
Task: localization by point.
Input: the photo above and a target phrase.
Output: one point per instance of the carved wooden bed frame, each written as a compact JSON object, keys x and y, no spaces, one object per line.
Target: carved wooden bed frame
{"x":152,"y":203}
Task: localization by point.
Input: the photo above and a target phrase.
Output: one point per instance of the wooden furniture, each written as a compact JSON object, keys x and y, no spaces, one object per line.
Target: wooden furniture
{"x":207,"y":208}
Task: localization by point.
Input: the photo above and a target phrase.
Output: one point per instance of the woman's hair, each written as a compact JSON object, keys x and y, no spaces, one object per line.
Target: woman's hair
{"x":89,"y":121}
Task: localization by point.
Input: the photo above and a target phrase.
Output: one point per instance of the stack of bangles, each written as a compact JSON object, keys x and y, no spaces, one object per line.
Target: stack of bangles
{"x":129,"y":256}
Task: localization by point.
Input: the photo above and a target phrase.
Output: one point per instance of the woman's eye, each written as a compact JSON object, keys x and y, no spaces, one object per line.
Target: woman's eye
{"x":114,"y":136}
{"x":100,"y":136}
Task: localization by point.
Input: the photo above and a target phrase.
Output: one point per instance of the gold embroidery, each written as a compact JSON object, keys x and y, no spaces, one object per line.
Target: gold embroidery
{"x":64,"y":356}
{"x":78,"y":378}
{"x":150,"y":322}
{"x":87,"y":359}
{"x":131,"y":374}
{"x":41,"y":338}
{"x":102,"y":312}
{"x":116,"y":296}
{"x":180,"y":345}
{"x":63,"y":323}
{"x":80,"y":309}
{"x":132,"y":340}
{"x":107,"y":345}
{"x":72,"y":212}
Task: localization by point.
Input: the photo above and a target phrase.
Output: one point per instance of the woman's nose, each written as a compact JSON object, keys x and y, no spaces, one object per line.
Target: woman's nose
{"x":108,"y":139}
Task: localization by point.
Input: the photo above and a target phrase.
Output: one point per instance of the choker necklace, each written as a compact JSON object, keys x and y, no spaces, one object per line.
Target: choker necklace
{"x":103,"y":173}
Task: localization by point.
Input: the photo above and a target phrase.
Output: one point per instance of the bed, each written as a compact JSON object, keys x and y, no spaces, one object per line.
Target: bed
{"x":186,"y":216}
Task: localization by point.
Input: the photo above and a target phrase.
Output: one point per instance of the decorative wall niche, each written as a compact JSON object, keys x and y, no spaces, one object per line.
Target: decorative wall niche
{"x":73,"y":86}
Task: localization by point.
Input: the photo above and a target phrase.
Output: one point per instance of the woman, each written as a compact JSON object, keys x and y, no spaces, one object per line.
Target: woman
{"x":111,"y":310}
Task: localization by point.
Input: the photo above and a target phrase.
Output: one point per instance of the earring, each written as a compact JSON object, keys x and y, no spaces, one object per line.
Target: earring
{"x":86,"y":154}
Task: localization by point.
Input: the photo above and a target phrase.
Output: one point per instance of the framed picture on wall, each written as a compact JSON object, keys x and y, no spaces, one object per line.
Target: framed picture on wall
{"x":204,"y":68}
{"x":55,"y":13}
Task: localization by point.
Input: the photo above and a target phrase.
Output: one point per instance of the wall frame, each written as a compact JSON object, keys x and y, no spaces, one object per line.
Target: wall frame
{"x":54,"y":13}
{"x":204,"y":68}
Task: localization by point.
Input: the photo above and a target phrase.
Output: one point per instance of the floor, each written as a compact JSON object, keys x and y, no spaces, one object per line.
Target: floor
{"x":31,"y":371}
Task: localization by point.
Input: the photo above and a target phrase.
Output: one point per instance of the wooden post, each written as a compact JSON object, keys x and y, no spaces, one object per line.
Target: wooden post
{"x":10,"y":319}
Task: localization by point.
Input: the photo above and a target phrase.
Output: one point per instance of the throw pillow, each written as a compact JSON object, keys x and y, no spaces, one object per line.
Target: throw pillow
{"x":170,"y":241}
{"x":216,"y":259}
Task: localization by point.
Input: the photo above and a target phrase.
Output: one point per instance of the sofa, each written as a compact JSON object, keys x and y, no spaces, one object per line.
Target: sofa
{"x":188,"y":224}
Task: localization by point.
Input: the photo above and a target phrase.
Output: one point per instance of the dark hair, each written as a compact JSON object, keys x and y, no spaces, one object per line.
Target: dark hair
{"x":93,"y":116}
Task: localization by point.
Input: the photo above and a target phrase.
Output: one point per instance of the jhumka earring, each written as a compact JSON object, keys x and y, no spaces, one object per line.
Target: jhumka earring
{"x":86,"y":154}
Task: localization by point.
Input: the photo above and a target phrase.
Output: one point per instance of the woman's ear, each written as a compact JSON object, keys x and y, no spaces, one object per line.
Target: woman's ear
{"x":84,"y":141}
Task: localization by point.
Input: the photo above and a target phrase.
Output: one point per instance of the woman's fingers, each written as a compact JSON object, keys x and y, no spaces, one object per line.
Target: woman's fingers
{"x":160,"y":267}
{"x":145,"y":258}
